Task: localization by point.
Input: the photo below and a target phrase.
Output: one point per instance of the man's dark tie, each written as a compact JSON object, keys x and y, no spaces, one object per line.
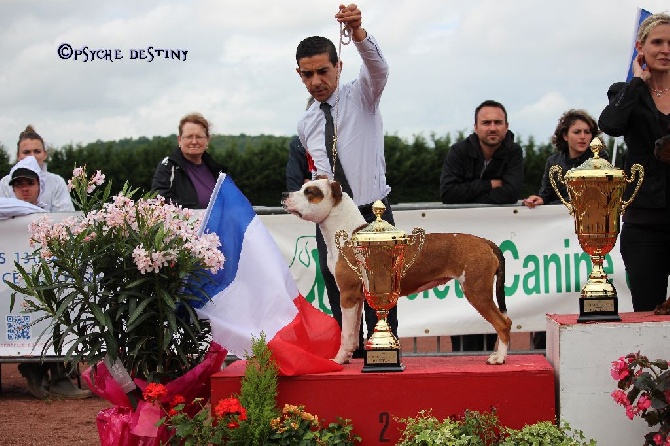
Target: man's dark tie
{"x":339,"y":175}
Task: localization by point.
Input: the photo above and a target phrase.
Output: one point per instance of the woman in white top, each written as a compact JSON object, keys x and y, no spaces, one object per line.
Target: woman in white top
{"x":54,"y":196}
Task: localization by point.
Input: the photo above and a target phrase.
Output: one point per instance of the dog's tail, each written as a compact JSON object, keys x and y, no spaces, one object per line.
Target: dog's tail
{"x":500,"y":277}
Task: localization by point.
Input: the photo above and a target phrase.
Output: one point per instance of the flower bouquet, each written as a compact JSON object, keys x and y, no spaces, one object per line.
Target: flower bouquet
{"x":117,"y":285}
{"x":644,"y":391}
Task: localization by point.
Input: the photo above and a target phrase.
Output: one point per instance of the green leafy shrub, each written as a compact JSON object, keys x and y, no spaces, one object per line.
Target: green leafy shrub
{"x":484,"y":429}
{"x":258,"y":394}
{"x":546,"y":433}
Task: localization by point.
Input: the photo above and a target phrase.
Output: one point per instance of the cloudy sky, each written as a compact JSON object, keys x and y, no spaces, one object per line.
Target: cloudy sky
{"x":538,"y":58}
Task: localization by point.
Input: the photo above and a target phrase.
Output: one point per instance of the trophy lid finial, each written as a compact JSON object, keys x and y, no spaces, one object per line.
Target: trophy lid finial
{"x":378,"y":209}
{"x":379,"y":231}
{"x":596,"y":146}
{"x":595,"y":167}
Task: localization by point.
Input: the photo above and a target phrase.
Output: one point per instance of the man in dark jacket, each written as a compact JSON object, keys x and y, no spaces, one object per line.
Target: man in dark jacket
{"x":487,"y":167}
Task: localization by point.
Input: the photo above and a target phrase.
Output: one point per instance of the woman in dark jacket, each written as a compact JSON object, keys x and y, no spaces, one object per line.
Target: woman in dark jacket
{"x":639,"y":111}
{"x":187,"y":176}
{"x":573,"y":134}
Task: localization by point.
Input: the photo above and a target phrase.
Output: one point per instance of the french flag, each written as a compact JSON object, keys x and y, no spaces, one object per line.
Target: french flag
{"x":255,"y":292}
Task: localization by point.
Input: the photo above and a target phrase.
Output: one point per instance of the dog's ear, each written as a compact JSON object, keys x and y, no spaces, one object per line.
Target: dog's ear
{"x":336,"y":190}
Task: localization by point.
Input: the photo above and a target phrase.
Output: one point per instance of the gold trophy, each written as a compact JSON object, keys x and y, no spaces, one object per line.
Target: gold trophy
{"x":378,"y":252}
{"x":596,"y":189}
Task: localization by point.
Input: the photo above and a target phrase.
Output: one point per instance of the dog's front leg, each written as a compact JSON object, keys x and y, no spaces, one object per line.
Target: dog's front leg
{"x":351,"y":324}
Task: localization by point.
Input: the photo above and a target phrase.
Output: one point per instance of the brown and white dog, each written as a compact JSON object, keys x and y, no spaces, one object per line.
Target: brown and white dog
{"x":473,"y":261}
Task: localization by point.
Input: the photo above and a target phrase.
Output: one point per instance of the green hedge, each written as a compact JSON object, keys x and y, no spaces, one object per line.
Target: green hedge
{"x":258,"y":163}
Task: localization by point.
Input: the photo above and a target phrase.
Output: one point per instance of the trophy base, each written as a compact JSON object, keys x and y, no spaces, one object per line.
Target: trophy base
{"x":599,"y":309}
{"x":382,"y":360}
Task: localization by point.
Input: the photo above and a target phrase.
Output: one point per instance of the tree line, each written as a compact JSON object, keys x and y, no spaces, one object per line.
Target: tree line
{"x":257,"y":164}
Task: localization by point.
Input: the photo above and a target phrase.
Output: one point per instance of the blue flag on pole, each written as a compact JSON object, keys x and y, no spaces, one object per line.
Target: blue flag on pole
{"x":641,"y":15}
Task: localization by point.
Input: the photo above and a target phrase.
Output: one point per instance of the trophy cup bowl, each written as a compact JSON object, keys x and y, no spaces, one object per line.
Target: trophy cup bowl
{"x":596,"y":192}
{"x":377,"y":254}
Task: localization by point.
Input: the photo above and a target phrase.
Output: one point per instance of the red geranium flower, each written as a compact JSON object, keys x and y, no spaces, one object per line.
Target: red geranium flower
{"x":154,"y":392}
{"x":177,"y":400}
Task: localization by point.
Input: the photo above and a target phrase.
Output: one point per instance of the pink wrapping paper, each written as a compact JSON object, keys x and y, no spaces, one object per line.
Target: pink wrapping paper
{"x":123,"y":426}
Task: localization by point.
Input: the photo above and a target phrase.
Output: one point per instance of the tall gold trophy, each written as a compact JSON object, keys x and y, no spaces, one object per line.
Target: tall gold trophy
{"x":377,"y":254}
{"x":596,"y":189}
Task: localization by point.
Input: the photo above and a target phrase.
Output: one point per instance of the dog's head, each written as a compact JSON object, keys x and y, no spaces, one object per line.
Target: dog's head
{"x":663,"y":143}
{"x":314,"y":200}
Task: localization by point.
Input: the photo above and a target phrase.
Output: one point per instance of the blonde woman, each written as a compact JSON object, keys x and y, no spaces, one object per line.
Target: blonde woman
{"x":639,"y":111}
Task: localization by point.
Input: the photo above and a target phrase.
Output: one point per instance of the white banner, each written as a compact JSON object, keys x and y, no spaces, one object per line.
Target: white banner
{"x":545,"y":267}
{"x":545,"y":270}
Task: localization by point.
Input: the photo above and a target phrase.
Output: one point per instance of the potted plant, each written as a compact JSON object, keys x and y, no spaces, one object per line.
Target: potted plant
{"x":116,"y":285}
{"x":643,"y":389}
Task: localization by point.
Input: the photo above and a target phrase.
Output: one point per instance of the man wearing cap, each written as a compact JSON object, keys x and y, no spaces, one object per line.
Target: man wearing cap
{"x":25,"y":182}
{"x":48,"y":378}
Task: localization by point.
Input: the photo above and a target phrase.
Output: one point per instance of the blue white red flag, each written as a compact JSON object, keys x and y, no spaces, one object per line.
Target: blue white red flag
{"x":255,"y":292}
{"x":641,"y":15}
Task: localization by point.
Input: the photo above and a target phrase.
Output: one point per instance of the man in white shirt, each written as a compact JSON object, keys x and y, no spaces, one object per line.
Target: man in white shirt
{"x":359,"y":162}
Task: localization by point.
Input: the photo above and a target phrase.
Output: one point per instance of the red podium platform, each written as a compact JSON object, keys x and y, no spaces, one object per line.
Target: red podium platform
{"x":522,"y":391}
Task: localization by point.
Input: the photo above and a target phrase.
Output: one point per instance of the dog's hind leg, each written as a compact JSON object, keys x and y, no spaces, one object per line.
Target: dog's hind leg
{"x":503,"y":326}
{"x":351,"y":324}
{"x":481,"y":298}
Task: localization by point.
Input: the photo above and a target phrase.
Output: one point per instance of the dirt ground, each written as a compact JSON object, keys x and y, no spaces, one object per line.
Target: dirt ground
{"x":26,"y":421}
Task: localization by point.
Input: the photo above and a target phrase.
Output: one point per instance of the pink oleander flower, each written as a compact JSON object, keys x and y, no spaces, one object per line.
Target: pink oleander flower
{"x":98,"y":178}
{"x":125,"y":265}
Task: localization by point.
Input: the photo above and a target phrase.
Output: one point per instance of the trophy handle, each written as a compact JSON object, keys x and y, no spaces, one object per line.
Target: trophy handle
{"x":552,"y":172}
{"x":342,"y":234}
{"x":635,"y":168}
{"x":417,"y":238}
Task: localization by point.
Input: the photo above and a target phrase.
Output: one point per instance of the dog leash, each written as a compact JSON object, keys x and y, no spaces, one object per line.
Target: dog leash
{"x":345,"y":39}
